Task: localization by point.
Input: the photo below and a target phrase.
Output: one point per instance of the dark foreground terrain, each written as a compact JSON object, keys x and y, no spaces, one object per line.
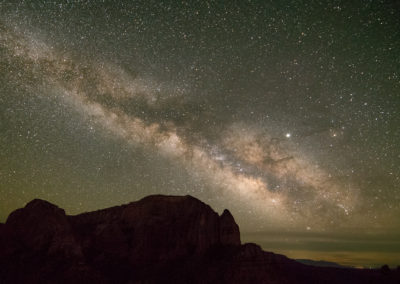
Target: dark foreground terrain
{"x":159,"y":239}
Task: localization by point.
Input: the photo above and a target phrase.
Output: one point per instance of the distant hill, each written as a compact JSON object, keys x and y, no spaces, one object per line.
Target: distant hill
{"x":321,"y":263}
{"x":158,"y":239}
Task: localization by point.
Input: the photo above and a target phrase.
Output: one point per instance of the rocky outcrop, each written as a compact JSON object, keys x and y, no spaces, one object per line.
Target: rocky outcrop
{"x":228,"y":229}
{"x":159,"y":239}
{"x":43,"y":227}
{"x":156,"y":228}
{"x":2,"y":237}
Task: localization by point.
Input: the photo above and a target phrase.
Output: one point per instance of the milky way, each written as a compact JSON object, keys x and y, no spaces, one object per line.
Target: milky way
{"x":292,"y":124}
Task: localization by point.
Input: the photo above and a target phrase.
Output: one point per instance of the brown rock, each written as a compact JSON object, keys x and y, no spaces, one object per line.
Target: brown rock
{"x":2,"y":238}
{"x":41,"y":225}
{"x":159,"y":239}
{"x":228,"y":229}
{"x":157,"y":228}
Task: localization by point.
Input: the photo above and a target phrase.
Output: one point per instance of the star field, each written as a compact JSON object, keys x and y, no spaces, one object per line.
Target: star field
{"x":285,"y":112}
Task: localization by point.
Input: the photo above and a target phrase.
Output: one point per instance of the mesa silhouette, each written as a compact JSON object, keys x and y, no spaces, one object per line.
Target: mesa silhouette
{"x":158,"y":239}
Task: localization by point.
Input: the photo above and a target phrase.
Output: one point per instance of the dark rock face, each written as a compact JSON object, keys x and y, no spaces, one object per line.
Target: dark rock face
{"x":41,"y":226}
{"x":159,"y":239}
{"x":229,"y":230}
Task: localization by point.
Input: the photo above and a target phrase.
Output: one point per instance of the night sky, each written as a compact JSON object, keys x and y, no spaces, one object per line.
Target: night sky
{"x":285,"y":112}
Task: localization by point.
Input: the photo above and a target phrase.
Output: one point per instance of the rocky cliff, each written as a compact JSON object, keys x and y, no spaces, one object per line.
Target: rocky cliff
{"x":159,"y":239}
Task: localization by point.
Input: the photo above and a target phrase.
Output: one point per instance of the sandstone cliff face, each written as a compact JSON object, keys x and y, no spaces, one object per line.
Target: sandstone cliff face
{"x":228,"y":229}
{"x":113,"y":241}
{"x":42,"y":227}
{"x":2,"y":237}
{"x":159,"y":239}
{"x":156,"y":228}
